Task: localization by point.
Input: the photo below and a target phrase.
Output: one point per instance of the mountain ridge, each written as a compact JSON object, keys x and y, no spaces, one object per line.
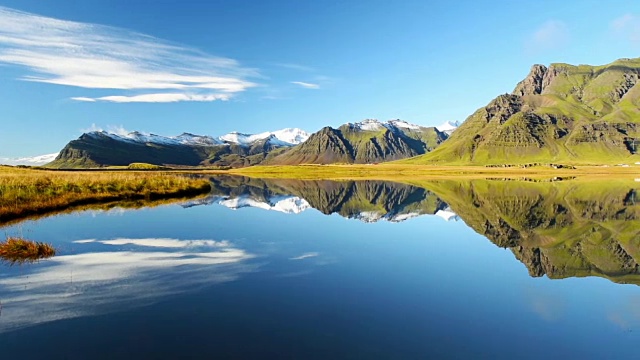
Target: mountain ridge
{"x":366,"y":141}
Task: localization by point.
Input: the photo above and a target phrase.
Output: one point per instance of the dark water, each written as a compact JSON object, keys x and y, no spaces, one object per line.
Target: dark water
{"x":317,"y":270}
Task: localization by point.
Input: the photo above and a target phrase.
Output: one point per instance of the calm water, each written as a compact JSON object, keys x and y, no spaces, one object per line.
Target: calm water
{"x":318,"y":270}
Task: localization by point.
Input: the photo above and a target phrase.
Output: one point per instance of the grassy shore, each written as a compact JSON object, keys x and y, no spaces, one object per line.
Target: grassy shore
{"x":401,"y":171}
{"x":25,"y":192}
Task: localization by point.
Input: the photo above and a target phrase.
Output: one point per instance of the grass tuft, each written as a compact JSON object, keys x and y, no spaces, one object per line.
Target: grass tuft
{"x":19,"y":251}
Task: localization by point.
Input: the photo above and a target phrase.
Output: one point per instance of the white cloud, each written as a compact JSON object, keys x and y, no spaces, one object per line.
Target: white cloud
{"x":85,"y":99}
{"x":628,"y":26}
{"x":306,"y":85}
{"x":550,"y":35}
{"x":100,"y":57}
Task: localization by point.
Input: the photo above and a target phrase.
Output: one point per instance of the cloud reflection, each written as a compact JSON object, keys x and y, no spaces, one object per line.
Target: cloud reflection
{"x":98,"y":282}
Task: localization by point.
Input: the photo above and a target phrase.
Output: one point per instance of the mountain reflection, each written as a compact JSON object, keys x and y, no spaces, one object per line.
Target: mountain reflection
{"x":559,"y":229}
{"x":368,"y":201}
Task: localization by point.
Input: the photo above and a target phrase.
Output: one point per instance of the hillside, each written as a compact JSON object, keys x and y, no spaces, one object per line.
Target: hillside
{"x":560,"y":113}
{"x":369,"y":141}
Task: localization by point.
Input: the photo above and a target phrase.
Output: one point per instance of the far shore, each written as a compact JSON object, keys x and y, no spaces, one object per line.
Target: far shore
{"x":397,"y":171}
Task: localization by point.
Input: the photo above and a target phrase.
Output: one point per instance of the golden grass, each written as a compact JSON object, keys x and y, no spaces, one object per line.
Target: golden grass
{"x":19,"y":251}
{"x":26,"y":192}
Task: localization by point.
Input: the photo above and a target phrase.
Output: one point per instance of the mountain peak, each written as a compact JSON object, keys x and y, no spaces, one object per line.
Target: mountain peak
{"x":533,"y":83}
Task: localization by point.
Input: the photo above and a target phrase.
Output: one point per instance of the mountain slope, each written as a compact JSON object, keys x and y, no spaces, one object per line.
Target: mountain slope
{"x":368,"y":141}
{"x":100,"y":148}
{"x":560,"y":113}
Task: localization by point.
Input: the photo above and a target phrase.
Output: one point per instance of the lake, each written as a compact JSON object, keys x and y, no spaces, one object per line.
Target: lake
{"x":296,"y":269}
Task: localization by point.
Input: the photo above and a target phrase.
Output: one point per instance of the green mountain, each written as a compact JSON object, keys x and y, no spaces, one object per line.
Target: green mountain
{"x":369,"y":141}
{"x":560,"y":113}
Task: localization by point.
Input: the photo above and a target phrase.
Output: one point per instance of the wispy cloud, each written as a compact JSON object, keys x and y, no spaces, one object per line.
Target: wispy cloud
{"x":552,"y":34}
{"x":157,"y":98}
{"x":297,"y":67}
{"x":305,"y":256}
{"x":306,"y":85}
{"x":101,"y":57}
{"x":628,"y":26}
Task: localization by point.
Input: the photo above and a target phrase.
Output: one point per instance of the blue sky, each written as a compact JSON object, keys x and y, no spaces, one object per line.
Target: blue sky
{"x":211,"y":67}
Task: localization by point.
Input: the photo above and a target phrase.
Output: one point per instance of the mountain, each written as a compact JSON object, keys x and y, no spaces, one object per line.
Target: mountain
{"x":369,"y":141}
{"x":30,"y":161}
{"x":560,"y":113}
{"x":448,"y":127}
{"x":101,"y":148}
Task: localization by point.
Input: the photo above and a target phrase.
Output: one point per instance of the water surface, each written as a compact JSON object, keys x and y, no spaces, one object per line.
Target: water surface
{"x":323,"y":269}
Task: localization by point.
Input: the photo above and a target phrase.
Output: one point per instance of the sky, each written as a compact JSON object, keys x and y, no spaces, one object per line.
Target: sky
{"x":212,"y":67}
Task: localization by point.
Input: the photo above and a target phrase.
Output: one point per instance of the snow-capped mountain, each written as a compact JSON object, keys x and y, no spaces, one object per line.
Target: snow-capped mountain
{"x":139,"y":137}
{"x":31,"y":161}
{"x":448,"y":127}
{"x":284,"y":137}
{"x":375,"y":125}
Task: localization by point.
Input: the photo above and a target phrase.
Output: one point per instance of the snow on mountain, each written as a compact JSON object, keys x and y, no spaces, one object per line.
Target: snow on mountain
{"x":376,"y":125}
{"x":367,"y":125}
{"x":31,"y":161}
{"x":284,"y":137}
{"x":448,"y":127}
{"x":191,"y":139}
{"x":403,"y":124}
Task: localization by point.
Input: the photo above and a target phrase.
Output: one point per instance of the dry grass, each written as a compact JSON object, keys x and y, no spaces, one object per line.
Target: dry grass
{"x":26,"y":192}
{"x":19,"y":251}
